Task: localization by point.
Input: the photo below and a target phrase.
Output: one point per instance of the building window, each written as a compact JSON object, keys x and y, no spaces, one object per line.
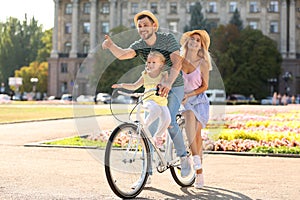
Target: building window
{"x":64,"y":87}
{"x":87,"y":8}
{"x":253,"y":25}
{"x":173,"y":7}
{"x":132,"y":24}
{"x":63,"y":67}
{"x":253,"y":7}
{"x":232,"y":6}
{"x":189,"y":7}
{"x":212,"y":7}
{"x":67,"y":48}
{"x":274,"y":27}
{"x":68,"y":10}
{"x":273,"y":6}
{"x":153,"y":7}
{"x":81,"y":68}
{"x":105,"y":8}
{"x":105,"y":27}
{"x":173,"y":26}
{"x":86,"y":47}
{"x":68,"y":28}
{"x":134,"y":8}
{"x":86,"y":27}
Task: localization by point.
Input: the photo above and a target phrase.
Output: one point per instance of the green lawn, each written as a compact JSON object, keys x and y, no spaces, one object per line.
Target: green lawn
{"x":27,"y":112}
{"x":20,"y":111}
{"x":77,"y":141}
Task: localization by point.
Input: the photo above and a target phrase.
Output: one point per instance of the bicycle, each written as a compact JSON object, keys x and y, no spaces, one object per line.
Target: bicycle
{"x":130,"y":152}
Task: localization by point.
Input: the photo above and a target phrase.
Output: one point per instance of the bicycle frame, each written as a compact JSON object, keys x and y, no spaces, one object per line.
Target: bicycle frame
{"x":166,"y":161}
{"x":137,"y":155}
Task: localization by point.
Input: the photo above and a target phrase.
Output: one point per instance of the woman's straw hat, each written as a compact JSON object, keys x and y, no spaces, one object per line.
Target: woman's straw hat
{"x":149,"y":14}
{"x":203,"y":34}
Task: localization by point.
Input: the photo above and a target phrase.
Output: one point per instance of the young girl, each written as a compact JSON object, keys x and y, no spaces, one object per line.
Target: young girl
{"x":195,"y":69}
{"x":156,"y":105}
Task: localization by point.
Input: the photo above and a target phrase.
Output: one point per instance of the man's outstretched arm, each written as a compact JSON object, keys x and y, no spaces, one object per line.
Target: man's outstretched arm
{"x":118,"y":52}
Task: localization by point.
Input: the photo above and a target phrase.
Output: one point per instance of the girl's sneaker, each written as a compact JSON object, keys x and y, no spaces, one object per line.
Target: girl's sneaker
{"x":199,"y":181}
{"x":197,"y":162}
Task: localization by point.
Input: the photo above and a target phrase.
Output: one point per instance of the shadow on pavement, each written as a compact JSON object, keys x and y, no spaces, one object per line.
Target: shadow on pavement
{"x":207,"y":193}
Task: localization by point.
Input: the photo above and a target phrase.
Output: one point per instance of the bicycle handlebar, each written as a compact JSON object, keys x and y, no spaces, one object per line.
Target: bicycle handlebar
{"x":137,"y":94}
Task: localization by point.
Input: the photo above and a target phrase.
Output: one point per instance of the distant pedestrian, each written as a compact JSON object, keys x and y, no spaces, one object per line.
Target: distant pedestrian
{"x":274,"y":98}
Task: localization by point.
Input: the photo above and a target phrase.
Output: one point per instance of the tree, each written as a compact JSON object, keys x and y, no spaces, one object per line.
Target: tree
{"x":222,"y":46}
{"x":45,"y":50}
{"x":197,"y":18}
{"x":34,"y":70}
{"x":236,"y":20}
{"x":19,"y":45}
{"x":246,"y":61}
{"x":198,"y":21}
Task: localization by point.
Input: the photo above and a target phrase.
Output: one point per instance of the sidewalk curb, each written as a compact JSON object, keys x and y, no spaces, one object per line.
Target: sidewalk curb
{"x":231,"y":153}
{"x":252,"y":154}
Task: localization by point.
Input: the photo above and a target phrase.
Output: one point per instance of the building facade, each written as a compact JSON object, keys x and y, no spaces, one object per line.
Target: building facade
{"x":80,"y":25}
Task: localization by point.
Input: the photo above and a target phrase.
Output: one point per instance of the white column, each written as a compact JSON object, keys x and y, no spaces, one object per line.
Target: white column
{"x":74,"y":49}
{"x":93,"y":20}
{"x":263,"y":18}
{"x":113,"y":17}
{"x":54,"y":52}
{"x":292,"y":36}
{"x":283,"y":29}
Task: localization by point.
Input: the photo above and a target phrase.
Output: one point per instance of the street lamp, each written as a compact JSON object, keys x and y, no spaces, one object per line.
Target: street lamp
{"x":34,"y":82}
{"x":286,"y":77}
{"x":272,"y":82}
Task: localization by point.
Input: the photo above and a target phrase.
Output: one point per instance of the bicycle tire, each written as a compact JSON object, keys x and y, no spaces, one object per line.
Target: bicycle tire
{"x":176,"y":169}
{"x":127,"y":158}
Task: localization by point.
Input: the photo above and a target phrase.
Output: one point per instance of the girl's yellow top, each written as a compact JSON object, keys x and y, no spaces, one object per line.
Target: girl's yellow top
{"x":150,"y":83}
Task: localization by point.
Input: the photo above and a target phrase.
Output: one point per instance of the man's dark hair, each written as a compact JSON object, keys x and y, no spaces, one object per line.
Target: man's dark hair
{"x":143,"y":16}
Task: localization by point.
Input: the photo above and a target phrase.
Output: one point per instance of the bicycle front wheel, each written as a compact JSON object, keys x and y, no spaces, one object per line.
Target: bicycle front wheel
{"x":127,"y":159}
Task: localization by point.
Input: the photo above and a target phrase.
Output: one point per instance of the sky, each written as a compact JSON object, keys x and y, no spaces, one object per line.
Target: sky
{"x":41,"y":10}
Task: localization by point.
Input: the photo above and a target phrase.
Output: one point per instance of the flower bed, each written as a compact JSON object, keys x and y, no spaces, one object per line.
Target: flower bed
{"x":269,"y":130}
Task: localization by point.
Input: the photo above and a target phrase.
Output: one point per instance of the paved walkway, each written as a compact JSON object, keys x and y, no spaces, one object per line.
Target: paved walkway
{"x":68,"y":173}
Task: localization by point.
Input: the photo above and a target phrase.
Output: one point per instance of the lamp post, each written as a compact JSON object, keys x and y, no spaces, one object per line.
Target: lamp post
{"x":286,"y":77}
{"x":34,"y":82}
{"x":272,"y":82}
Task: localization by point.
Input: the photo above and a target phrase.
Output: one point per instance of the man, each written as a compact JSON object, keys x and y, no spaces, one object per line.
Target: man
{"x":151,"y":40}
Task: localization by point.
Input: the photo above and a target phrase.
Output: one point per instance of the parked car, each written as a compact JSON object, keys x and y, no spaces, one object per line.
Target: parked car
{"x":66,"y":97}
{"x":122,"y":99}
{"x":235,"y":99}
{"x":20,"y":96}
{"x":216,"y":96}
{"x":104,"y":98}
{"x":268,"y":101}
{"x":85,"y":98}
{"x":4,"y":98}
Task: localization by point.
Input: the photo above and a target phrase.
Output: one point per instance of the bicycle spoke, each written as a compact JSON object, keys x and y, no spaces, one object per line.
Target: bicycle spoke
{"x":125,"y":163}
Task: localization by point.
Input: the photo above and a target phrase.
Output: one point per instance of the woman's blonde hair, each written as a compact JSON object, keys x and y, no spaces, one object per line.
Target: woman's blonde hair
{"x":203,"y":52}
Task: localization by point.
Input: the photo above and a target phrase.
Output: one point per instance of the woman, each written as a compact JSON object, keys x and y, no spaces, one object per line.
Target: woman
{"x":195,"y":70}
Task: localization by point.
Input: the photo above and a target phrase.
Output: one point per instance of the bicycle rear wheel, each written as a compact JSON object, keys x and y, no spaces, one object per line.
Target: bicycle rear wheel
{"x":127,"y":161}
{"x":176,"y":168}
